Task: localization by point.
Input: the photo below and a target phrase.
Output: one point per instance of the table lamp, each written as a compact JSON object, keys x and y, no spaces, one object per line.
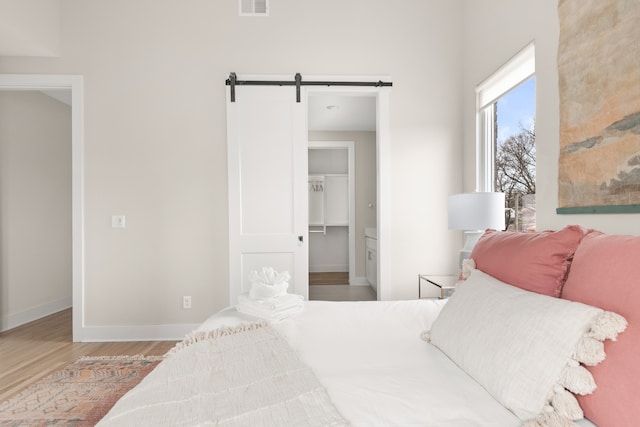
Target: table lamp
{"x":473,"y":213}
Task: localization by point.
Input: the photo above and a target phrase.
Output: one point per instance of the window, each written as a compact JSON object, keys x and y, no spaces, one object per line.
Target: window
{"x":506,"y":138}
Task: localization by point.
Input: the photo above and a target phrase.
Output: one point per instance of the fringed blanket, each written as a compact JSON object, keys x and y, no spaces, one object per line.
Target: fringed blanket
{"x":246,"y":376}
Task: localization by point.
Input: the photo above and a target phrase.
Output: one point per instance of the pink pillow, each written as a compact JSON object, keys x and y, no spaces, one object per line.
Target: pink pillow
{"x":606,"y":273}
{"x":536,"y":262}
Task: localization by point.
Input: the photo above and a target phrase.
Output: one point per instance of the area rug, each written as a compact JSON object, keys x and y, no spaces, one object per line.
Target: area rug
{"x":78,"y":395}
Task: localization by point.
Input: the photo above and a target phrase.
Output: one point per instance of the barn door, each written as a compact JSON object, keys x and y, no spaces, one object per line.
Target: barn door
{"x":267,"y":168}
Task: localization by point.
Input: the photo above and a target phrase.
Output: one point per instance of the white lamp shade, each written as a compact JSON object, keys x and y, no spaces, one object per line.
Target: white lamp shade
{"x":476,"y":211}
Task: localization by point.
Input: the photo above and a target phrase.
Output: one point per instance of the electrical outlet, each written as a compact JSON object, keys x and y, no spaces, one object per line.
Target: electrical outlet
{"x":186,"y":302}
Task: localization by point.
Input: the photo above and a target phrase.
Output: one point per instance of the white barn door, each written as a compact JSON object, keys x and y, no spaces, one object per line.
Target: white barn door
{"x":267,"y":168}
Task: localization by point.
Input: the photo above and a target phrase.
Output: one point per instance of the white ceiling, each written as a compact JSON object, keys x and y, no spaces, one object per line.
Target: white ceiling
{"x":342,"y":113}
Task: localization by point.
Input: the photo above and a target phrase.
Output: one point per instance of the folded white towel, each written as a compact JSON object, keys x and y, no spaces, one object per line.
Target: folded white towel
{"x":268,"y":283}
{"x":260,"y":290}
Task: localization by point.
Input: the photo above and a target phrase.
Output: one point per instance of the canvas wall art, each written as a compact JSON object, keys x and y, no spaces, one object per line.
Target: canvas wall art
{"x":599,"y":82}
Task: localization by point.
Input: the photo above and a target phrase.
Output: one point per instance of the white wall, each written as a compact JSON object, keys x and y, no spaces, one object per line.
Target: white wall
{"x":35,"y":207}
{"x":495,"y":31}
{"x":155,"y":133}
{"x":30,"y":27}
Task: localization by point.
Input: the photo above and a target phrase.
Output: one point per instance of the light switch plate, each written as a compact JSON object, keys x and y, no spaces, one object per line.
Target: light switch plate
{"x":118,"y":221}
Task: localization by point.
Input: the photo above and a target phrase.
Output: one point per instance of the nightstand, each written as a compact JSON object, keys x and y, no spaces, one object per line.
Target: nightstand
{"x":445,"y":285}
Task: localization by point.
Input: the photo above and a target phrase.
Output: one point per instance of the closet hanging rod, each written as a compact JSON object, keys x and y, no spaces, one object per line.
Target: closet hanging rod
{"x":233,"y":81}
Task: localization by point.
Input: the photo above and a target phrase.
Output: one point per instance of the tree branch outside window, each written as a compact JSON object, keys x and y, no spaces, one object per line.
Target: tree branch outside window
{"x":515,"y":163}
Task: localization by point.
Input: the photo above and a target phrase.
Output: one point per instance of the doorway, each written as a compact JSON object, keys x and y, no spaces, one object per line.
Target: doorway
{"x":332,"y":254}
{"x":74,"y":84}
{"x":35,"y":206}
{"x":277,"y":140}
{"x":342,"y":132}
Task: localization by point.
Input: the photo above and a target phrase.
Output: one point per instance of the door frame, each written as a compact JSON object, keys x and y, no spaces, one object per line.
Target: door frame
{"x":383,"y":161}
{"x":76,"y":85}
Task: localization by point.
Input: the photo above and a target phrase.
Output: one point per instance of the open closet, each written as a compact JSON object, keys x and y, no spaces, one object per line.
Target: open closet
{"x":331,"y":220}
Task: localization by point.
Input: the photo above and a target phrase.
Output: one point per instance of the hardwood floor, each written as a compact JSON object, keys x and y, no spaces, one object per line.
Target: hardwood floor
{"x":337,"y":278}
{"x":33,"y":351}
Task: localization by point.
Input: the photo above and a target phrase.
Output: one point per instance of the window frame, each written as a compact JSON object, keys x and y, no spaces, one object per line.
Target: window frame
{"x":514,"y":72}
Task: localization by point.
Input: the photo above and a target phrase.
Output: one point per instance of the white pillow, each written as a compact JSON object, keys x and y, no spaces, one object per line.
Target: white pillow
{"x":524,"y":348}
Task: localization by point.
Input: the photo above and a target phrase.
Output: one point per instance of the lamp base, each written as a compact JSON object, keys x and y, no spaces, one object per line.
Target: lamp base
{"x":470,"y":240}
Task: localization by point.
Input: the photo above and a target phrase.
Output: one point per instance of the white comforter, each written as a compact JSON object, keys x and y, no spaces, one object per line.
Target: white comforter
{"x":376,"y":369}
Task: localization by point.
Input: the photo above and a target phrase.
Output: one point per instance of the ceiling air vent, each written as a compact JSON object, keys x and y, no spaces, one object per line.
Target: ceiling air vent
{"x":254,"y":7}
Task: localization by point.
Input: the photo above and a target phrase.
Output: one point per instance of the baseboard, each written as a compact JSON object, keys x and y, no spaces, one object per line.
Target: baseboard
{"x":18,"y":319}
{"x":168,"y":332}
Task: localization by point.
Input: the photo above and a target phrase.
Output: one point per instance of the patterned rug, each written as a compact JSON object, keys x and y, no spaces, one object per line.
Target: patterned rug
{"x":79,"y":395}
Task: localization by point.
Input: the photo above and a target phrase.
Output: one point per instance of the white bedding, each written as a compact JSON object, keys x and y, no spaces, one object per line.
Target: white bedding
{"x":376,"y":369}
{"x":247,"y":376}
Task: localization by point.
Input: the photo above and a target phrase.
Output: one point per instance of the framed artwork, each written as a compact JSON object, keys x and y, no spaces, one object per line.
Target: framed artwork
{"x":599,"y":83}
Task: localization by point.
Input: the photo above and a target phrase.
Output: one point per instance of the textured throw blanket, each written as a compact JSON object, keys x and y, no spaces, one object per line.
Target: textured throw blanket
{"x":247,"y":376}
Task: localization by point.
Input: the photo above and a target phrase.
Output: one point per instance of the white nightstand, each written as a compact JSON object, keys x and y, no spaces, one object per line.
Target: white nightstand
{"x":445,"y":285}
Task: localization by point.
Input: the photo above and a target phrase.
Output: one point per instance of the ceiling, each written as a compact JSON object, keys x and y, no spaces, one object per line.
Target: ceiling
{"x":342,"y":113}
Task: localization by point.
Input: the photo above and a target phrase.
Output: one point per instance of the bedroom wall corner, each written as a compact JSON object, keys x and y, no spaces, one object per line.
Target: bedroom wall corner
{"x":426,"y":162}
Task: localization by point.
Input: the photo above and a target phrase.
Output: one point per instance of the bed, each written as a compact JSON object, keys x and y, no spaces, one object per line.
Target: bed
{"x":381,"y":363}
